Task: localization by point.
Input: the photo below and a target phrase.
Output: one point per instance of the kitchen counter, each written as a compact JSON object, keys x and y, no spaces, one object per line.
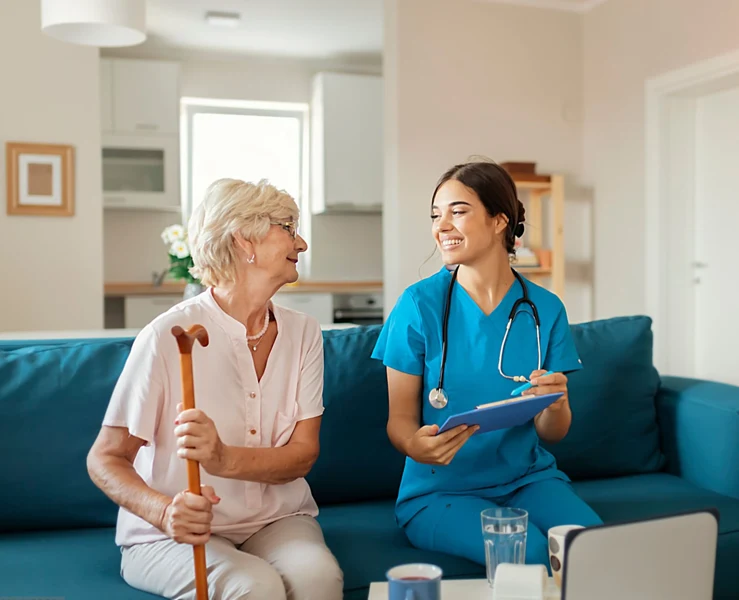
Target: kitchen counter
{"x":120,"y":290}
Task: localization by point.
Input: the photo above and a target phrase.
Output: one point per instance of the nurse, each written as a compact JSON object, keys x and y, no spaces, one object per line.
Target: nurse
{"x":451,"y":477}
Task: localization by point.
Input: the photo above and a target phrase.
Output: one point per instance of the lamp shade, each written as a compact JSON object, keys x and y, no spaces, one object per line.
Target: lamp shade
{"x":104,"y":23}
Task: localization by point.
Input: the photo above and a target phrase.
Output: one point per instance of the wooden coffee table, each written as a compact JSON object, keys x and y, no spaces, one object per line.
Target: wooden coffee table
{"x":460,"y":589}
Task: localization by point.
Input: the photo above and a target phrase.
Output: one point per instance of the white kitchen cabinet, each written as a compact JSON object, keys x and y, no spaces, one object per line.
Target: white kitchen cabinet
{"x":106,"y":95}
{"x":141,"y":310}
{"x":318,"y":305}
{"x":141,"y":172}
{"x":346,"y":143}
{"x":142,"y":96}
{"x":140,"y":145}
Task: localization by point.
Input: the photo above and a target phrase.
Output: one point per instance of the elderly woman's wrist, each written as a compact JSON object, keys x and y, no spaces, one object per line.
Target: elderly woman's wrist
{"x":224,"y":461}
{"x":161,"y":523}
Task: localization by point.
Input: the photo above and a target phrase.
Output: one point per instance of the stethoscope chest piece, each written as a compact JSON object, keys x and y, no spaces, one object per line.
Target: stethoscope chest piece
{"x":438,"y":398}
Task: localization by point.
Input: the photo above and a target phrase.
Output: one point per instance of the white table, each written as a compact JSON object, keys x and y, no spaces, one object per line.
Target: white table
{"x":460,"y":589}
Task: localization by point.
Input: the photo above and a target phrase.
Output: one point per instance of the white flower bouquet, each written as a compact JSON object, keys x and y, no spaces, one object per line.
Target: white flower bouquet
{"x":180,"y":261}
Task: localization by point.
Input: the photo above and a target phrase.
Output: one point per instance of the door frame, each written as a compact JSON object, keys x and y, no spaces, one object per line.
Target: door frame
{"x":660,"y":91}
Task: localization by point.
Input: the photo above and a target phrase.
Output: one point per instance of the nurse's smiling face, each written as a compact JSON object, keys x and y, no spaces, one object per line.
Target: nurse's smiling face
{"x":462,"y":227}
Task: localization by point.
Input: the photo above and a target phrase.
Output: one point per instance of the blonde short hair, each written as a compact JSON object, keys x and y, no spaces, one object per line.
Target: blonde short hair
{"x":231,"y":207}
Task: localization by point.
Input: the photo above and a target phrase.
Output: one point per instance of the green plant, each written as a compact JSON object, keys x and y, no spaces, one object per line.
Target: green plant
{"x":180,"y":260}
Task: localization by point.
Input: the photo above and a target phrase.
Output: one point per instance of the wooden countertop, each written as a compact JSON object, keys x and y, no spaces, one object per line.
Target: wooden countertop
{"x":114,"y":290}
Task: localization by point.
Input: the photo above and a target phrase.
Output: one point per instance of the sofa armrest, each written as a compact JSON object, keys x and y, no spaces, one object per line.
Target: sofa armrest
{"x":699,"y":428}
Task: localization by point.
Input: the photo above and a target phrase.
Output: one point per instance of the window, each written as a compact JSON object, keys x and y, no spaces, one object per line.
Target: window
{"x":243,"y":140}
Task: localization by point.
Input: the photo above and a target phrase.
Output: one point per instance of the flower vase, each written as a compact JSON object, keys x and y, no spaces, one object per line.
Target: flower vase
{"x":192,"y":290}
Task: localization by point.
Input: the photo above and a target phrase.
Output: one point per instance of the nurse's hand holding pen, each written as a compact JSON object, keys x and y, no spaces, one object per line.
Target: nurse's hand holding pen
{"x":553,"y":423}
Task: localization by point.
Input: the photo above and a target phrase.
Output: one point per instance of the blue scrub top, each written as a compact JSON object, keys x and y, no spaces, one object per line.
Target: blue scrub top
{"x":496,"y":463}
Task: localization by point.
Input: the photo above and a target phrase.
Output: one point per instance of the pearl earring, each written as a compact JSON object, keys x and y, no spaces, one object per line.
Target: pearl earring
{"x":250,"y":260}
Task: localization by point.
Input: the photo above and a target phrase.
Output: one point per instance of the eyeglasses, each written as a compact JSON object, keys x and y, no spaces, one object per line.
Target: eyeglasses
{"x":289,"y":226}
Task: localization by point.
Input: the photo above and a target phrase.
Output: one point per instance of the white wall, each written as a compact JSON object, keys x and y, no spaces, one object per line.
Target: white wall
{"x":467,"y":78}
{"x":625,"y":43}
{"x":342,"y":247}
{"x":51,"y":267}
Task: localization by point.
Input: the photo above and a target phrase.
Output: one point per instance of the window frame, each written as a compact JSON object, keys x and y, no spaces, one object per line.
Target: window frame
{"x":189,"y":107}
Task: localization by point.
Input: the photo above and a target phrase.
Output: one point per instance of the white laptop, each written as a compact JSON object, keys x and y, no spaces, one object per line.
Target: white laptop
{"x":667,"y":558}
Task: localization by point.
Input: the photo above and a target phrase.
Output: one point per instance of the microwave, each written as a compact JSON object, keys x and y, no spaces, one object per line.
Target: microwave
{"x":141,"y":172}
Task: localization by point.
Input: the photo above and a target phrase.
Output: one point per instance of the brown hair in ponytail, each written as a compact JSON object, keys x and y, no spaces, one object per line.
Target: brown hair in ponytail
{"x":496,"y":190}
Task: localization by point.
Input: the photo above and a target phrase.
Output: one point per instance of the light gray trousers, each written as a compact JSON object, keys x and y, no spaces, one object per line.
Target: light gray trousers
{"x":287,"y":560}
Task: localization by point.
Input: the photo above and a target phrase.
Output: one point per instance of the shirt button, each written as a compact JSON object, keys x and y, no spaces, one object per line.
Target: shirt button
{"x":253,"y":395}
{"x":253,"y":432}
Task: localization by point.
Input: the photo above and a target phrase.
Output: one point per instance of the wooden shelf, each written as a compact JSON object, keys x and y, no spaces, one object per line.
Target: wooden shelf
{"x":533,"y":270}
{"x":533,"y":188}
{"x":533,"y":185}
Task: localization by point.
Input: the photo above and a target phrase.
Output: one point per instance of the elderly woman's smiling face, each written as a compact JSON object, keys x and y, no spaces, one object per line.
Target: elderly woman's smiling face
{"x":242,"y":231}
{"x":277,"y":253}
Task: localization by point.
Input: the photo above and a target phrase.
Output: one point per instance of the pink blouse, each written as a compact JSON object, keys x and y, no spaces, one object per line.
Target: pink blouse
{"x":246,"y":412}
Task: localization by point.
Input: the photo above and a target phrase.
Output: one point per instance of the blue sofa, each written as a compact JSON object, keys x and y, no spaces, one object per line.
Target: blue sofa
{"x":640,"y":446}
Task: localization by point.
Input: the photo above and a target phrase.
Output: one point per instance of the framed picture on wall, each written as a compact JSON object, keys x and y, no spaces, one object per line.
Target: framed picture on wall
{"x":40,"y":179}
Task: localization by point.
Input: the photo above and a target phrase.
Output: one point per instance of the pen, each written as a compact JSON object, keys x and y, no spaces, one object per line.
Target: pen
{"x":528,"y":385}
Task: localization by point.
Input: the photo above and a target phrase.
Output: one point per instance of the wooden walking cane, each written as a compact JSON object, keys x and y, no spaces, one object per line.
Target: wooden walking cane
{"x":185,"y":342}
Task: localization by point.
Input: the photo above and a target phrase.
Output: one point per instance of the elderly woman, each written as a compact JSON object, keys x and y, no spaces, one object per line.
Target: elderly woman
{"x":258,"y":391}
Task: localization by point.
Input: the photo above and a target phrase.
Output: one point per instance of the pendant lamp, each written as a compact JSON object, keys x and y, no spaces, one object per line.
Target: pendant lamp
{"x":103,"y":23}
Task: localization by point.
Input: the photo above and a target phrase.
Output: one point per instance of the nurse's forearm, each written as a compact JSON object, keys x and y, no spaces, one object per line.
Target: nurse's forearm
{"x":401,"y":430}
{"x":553,"y":425}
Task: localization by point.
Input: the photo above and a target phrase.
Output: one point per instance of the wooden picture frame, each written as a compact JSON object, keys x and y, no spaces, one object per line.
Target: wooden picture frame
{"x":40,"y":179}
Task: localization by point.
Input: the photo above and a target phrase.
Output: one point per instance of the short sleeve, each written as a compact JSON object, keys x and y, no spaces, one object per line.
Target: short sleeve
{"x":310,"y":385}
{"x":401,"y":344}
{"x":562,"y":355}
{"x":138,"y":395}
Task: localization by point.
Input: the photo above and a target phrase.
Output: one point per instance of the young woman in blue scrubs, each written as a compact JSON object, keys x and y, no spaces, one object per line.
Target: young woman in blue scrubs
{"x":451,"y":477}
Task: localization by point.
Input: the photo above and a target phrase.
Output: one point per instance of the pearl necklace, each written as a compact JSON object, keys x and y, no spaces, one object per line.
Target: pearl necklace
{"x":261,"y":333}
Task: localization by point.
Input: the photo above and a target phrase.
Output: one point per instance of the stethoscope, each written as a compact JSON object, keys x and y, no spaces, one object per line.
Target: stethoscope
{"x":437,"y":396}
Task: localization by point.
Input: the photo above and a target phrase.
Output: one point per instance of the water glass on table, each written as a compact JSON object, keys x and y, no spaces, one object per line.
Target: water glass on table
{"x":504,"y":534}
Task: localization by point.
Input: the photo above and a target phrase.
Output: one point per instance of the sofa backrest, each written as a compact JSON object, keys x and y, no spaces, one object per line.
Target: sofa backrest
{"x":53,"y":397}
{"x":614,"y":427}
{"x":357,"y":461}
{"x":52,"y":401}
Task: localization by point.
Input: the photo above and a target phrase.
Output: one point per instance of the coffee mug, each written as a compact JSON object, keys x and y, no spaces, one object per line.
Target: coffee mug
{"x":557,"y":537}
{"x":415,"y":581}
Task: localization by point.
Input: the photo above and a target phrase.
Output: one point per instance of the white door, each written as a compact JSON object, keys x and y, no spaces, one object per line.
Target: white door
{"x":716,"y":269}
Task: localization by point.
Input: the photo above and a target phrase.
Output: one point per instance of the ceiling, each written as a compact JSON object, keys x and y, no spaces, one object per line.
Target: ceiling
{"x":346,"y":29}
{"x":295,"y":28}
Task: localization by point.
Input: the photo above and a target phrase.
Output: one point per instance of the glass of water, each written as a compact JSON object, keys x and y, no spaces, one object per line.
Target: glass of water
{"x":504,"y":534}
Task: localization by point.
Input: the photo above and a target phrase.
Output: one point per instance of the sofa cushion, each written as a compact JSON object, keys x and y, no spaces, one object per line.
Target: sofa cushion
{"x":614,"y":421}
{"x":367,"y":541}
{"x":83,"y":564}
{"x":357,"y":461}
{"x":52,"y":401}
{"x":650,"y":495}
{"x":657,"y":494}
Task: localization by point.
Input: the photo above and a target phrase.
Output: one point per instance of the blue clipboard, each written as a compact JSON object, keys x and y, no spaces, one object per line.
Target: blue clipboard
{"x":502,"y":414}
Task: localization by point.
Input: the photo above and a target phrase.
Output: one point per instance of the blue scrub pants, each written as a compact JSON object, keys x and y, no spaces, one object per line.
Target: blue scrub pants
{"x":451,"y":524}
